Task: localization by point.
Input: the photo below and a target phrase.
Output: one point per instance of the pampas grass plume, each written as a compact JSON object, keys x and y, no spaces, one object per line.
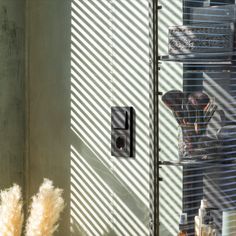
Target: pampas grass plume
{"x":11,"y":216}
{"x":45,"y":210}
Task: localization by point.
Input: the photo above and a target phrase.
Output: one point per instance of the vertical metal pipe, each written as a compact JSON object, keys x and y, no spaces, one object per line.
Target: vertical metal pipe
{"x":155,"y":96}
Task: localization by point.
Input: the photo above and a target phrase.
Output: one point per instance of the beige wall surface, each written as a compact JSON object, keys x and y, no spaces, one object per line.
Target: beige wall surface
{"x":12,"y":98}
{"x":48,"y":36}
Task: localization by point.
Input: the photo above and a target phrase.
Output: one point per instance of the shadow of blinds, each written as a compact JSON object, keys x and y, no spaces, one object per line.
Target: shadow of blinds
{"x":110,"y":66}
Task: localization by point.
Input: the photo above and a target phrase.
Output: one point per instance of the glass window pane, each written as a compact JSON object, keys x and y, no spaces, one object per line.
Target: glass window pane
{"x":197,"y":116}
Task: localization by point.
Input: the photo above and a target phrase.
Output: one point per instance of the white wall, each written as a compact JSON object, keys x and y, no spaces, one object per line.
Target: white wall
{"x":110,"y":66}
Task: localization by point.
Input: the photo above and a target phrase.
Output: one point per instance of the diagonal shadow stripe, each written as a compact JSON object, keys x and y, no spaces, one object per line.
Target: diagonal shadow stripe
{"x":98,"y":181}
{"x":123,"y":75}
{"x":117,"y":183}
{"x":138,"y":46}
{"x":142,"y":129}
{"x":86,"y":120}
{"x":88,"y":109}
{"x":131,"y":92}
{"x":79,"y":222}
{"x":87,"y":181}
{"x":127,"y":180}
{"x":136,"y":28}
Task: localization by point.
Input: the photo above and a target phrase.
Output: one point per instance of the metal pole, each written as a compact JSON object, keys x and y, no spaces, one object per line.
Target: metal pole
{"x":155,"y":96}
